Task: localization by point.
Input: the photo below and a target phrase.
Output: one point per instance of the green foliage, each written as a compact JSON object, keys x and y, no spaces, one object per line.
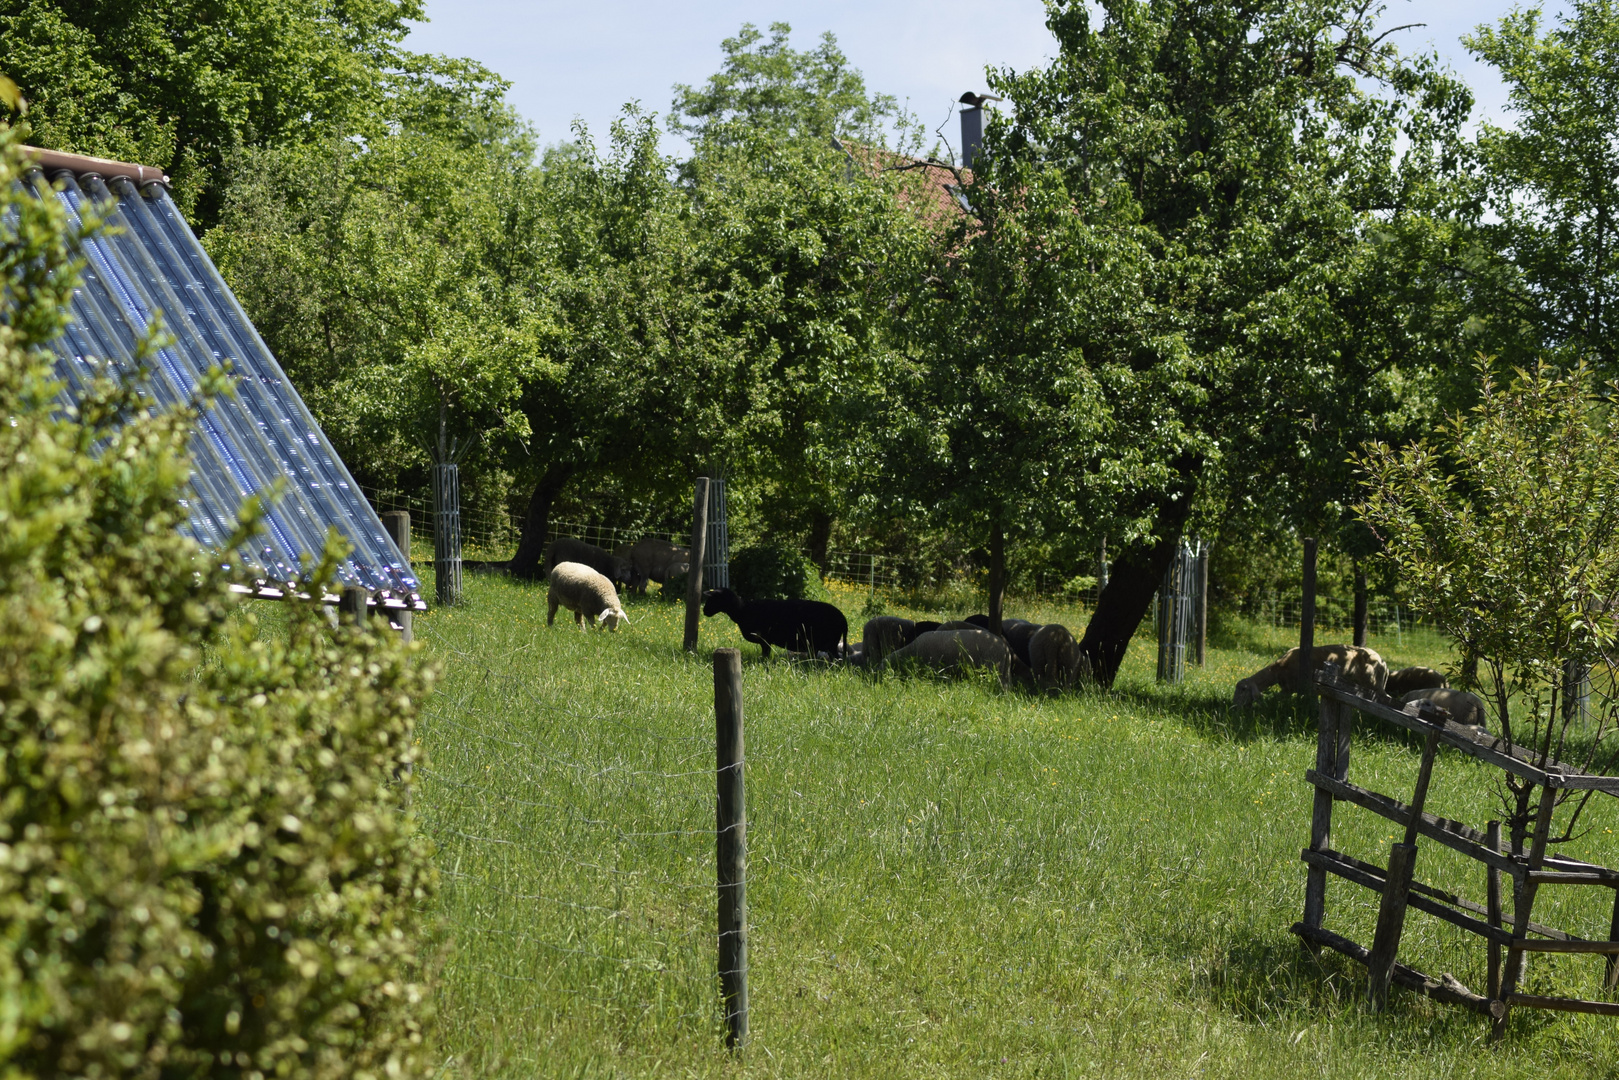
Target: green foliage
{"x":403,"y":310}
{"x":207,"y":866}
{"x":769,"y":572}
{"x":774,"y":92}
{"x":1505,"y":531}
{"x":182,"y":86}
{"x":1552,"y":183}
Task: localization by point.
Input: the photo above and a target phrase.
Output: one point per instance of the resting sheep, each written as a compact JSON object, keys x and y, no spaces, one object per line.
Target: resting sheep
{"x":1464,"y":708}
{"x":567,"y":549}
{"x":1407,"y":679}
{"x":951,"y":653}
{"x":586,"y":593}
{"x":1054,"y":657}
{"x":811,"y":626}
{"x":651,"y":559}
{"x":882,"y":635}
{"x":1357,"y":665}
{"x":1018,"y":633}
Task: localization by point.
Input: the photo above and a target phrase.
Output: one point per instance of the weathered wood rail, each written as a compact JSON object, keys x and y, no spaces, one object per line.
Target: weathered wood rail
{"x":1507,"y":937}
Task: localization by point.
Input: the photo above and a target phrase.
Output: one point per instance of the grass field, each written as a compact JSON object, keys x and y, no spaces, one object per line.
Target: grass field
{"x":945,"y":880}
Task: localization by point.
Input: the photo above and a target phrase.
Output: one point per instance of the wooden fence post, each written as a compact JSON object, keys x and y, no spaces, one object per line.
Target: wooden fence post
{"x":731,"y":838}
{"x":1492,"y":909}
{"x":352,"y":604}
{"x":397,"y":522}
{"x":1315,"y":881}
{"x":694,"y":576}
{"x":1397,"y":886}
{"x":1307,"y":626}
{"x":1360,"y":604}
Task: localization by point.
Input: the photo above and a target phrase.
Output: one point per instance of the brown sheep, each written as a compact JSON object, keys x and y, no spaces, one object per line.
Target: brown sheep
{"x":1357,"y":665}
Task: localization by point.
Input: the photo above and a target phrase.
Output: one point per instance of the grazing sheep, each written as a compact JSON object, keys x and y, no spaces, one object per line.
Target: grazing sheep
{"x":883,"y":634}
{"x":811,"y":626}
{"x":651,"y":559}
{"x":586,"y":593}
{"x":1464,"y":708}
{"x":1359,"y":666}
{"x":567,"y":549}
{"x":951,"y":653}
{"x":1055,"y":659}
{"x":1407,"y":679}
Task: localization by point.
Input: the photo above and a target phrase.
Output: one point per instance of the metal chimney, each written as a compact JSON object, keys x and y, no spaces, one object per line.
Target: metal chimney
{"x":972,"y":133}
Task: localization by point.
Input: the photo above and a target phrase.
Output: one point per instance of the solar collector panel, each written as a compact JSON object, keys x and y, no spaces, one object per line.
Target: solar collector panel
{"x":330,"y":493}
{"x":243,"y":443}
{"x":122,"y":303}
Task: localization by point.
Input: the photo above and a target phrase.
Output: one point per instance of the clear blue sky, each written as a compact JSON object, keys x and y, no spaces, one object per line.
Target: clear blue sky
{"x":588,"y":57}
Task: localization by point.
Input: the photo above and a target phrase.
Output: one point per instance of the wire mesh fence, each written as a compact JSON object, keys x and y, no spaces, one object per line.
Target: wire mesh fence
{"x":577,"y":846}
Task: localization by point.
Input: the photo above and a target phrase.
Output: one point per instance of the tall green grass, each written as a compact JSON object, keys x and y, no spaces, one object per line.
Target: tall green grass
{"x":945,"y":880}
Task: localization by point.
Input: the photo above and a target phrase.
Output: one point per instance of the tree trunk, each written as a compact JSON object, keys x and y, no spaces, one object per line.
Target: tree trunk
{"x":820,"y":535}
{"x":1360,"y":603}
{"x":537,"y":522}
{"x":997,"y":575}
{"x":1136,"y":574}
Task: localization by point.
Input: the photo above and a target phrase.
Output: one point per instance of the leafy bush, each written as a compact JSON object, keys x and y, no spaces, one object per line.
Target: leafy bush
{"x":1506,"y":532}
{"x":206,"y":865}
{"x":767,"y":572}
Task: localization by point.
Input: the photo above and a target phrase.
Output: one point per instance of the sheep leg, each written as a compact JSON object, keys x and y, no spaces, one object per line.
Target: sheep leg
{"x":551,"y":615}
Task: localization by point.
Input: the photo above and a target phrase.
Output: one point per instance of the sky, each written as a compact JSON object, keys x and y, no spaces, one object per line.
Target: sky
{"x":586,"y":59}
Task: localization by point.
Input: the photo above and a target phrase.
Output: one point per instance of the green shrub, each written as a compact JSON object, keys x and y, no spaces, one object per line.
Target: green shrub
{"x":206,"y":866}
{"x":767,"y":572}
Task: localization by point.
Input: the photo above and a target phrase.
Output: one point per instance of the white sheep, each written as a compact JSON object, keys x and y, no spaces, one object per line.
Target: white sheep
{"x":1357,"y":665}
{"x":586,"y":593}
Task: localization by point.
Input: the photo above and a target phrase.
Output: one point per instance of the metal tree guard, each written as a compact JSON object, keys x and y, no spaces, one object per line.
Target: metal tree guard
{"x":717,"y":560}
{"x":447,"y":533}
{"x":1177,"y":602}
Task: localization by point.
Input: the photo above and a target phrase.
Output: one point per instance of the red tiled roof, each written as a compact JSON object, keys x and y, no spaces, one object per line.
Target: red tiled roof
{"x":934,"y":186}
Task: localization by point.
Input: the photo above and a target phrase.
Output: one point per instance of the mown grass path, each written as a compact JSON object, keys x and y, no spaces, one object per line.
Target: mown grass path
{"x":944,"y":880}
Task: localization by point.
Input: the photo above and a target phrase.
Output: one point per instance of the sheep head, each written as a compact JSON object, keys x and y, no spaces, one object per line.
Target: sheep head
{"x":1246,"y":694}
{"x":612,"y":617}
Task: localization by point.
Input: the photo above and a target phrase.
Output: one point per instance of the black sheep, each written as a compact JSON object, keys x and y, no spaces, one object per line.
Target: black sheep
{"x":800,"y":625}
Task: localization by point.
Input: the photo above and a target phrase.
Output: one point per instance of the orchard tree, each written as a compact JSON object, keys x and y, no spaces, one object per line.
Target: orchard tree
{"x":993,"y":425}
{"x":768,"y":89}
{"x":182,"y":86}
{"x":391,"y":277}
{"x":797,"y":232}
{"x":1244,"y":183}
{"x":1553,"y":185}
{"x":642,"y":366}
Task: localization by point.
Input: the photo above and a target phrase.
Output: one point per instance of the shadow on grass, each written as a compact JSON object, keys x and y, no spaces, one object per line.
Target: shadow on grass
{"x":1262,"y":978}
{"x":1209,"y":712}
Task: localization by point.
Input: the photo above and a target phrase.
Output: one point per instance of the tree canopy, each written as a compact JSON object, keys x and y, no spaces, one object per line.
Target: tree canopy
{"x":1552,"y":184}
